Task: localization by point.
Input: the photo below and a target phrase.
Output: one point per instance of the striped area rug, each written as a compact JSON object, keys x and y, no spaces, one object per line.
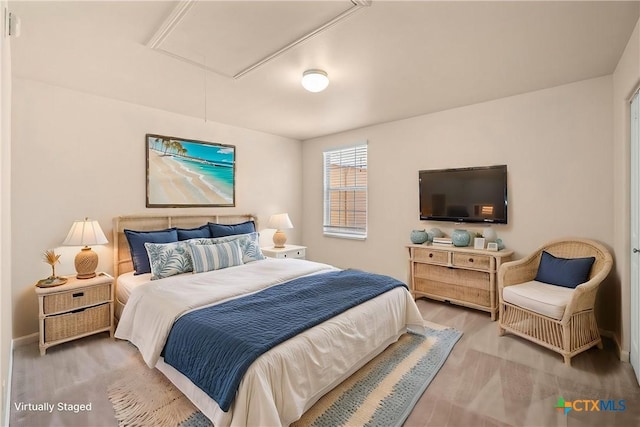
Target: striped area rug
{"x":382,"y":393}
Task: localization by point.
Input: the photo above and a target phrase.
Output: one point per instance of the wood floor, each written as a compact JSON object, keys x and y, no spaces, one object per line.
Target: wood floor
{"x":487,"y":380}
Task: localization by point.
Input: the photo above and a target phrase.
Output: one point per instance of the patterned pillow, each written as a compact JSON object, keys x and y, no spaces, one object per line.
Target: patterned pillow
{"x":249,"y":245}
{"x":168,"y":259}
{"x":215,"y":257}
{"x":137,"y":239}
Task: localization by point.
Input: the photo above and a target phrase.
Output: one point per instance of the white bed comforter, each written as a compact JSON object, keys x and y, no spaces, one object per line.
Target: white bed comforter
{"x":286,"y":381}
{"x":152,"y":308}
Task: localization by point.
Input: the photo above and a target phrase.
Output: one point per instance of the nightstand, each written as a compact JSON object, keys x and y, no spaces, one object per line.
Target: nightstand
{"x":289,"y":251}
{"x":74,"y":310}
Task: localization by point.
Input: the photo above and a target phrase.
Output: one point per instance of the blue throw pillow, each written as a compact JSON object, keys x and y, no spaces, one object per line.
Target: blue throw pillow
{"x":202,"y":232}
{"x":137,"y":239}
{"x":223,"y":230}
{"x":567,"y":272}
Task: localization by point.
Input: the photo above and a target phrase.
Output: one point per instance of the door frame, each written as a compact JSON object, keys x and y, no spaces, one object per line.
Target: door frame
{"x":634,"y":265}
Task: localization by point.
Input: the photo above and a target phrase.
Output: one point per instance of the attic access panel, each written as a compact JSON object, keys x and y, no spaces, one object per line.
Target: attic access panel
{"x":228,"y":37}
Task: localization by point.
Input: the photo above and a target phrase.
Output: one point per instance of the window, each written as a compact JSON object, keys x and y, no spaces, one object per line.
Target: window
{"x":345,"y":192}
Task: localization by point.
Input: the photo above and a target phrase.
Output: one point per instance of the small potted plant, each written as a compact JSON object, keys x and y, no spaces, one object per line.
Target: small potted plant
{"x":51,"y":258}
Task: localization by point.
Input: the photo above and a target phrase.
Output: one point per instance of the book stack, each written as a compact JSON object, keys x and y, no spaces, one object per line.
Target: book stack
{"x":442,"y":241}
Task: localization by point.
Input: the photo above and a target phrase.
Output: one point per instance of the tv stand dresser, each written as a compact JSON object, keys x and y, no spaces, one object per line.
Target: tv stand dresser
{"x":459,"y":275}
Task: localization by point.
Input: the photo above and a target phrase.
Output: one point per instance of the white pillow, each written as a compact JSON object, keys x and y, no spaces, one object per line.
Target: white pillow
{"x":216,"y":256}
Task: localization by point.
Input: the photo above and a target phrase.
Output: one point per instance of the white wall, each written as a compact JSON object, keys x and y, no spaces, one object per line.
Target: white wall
{"x":5,"y":219}
{"x":77,"y":155}
{"x":626,"y":78}
{"x":556,"y":143}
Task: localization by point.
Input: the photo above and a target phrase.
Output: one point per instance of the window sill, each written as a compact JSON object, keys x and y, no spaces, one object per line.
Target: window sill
{"x":345,"y":236}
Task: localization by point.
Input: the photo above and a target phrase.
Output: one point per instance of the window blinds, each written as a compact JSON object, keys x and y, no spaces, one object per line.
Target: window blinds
{"x":345,"y":192}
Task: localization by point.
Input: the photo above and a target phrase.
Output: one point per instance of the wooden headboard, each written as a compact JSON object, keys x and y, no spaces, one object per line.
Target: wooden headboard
{"x":122,"y":257}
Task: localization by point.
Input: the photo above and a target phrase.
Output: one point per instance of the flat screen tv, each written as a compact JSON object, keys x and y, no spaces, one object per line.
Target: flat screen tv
{"x":477,"y":194}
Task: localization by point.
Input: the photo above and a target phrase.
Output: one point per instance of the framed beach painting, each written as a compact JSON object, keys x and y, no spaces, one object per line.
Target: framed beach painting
{"x":188,"y":173}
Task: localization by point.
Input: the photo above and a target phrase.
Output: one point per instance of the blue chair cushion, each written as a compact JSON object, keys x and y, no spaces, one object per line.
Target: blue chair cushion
{"x":567,"y":272}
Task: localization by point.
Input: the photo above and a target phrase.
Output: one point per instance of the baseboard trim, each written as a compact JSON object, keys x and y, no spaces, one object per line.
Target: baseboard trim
{"x":623,"y":355}
{"x":7,"y":403}
{"x":16,"y":342}
{"x":27,"y":339}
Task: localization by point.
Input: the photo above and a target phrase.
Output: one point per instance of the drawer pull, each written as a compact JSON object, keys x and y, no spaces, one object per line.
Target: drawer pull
{"x":470,"y":259}
{"x":430,"y":255}
{"x":78,"y":294}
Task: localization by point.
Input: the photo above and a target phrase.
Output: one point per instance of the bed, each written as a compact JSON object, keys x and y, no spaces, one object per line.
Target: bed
{"x":281,"y":384}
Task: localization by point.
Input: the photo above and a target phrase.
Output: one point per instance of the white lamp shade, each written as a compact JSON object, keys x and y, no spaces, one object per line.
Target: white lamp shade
{"x":280,"y":221}
{"x":315,"y":80}
{"x":85,"y":233}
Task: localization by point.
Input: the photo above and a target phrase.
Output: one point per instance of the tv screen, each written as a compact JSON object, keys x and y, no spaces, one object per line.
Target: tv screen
{"x":477,"y":194}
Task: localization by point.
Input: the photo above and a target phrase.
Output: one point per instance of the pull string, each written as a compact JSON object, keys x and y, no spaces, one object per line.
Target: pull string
{"x":205,"y":88}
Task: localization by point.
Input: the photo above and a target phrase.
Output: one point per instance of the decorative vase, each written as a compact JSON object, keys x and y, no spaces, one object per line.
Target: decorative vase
{"x":489,"y":234}
{"x":435,"y":232}
{"x":419,"y":236}
{"x":500,"y":244}
{"x":460,"y":237}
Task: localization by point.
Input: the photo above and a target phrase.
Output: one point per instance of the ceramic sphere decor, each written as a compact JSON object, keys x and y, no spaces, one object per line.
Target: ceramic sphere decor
{"x":419,"y":236}
{"x":489,"y":234}
{"x":436,"y":232}
{"x":460,"y":237}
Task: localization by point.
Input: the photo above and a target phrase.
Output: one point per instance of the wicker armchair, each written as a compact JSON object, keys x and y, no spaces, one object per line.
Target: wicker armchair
{"x":569,"y":330}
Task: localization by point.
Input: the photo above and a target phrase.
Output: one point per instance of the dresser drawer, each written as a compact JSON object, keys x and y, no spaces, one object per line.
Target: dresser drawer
{"x":77,"y":323}
{"x":466,"y":260}
{"x":448,"y":291}
{"x":430,"y":256}
{"x":66,"y":301}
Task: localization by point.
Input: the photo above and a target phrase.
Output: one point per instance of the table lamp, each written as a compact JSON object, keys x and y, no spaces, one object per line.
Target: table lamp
{"x":279,"y":222}
{"x":85,"y":233}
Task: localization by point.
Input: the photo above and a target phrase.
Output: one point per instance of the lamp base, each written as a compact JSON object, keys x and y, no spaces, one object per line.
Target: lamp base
{"x":279,"y":239}
{"x":86,"y":263}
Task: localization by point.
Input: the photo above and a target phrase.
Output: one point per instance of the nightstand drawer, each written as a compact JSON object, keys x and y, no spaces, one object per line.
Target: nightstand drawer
{"x":77,"y":323}
{"x":294,"y":253}
{"x":289,"y":251}
{"x":65,"y":301}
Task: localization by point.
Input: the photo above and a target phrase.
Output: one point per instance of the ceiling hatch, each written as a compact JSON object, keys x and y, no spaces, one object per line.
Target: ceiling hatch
{"x":233,"y":38}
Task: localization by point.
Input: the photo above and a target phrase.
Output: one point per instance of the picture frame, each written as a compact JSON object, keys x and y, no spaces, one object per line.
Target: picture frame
{"x":478,"y":243}
{"x":185,"y":172}
{"x":492,"y":246}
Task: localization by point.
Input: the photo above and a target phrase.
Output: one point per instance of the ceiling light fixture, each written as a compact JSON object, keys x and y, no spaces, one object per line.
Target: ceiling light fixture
{"x":315,"y":80}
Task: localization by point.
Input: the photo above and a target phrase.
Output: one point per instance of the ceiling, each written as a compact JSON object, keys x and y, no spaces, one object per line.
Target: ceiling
{"x":386,"y":61}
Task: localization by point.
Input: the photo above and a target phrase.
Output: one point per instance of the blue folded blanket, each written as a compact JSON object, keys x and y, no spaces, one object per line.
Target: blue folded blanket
{"x":214,"y":346}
